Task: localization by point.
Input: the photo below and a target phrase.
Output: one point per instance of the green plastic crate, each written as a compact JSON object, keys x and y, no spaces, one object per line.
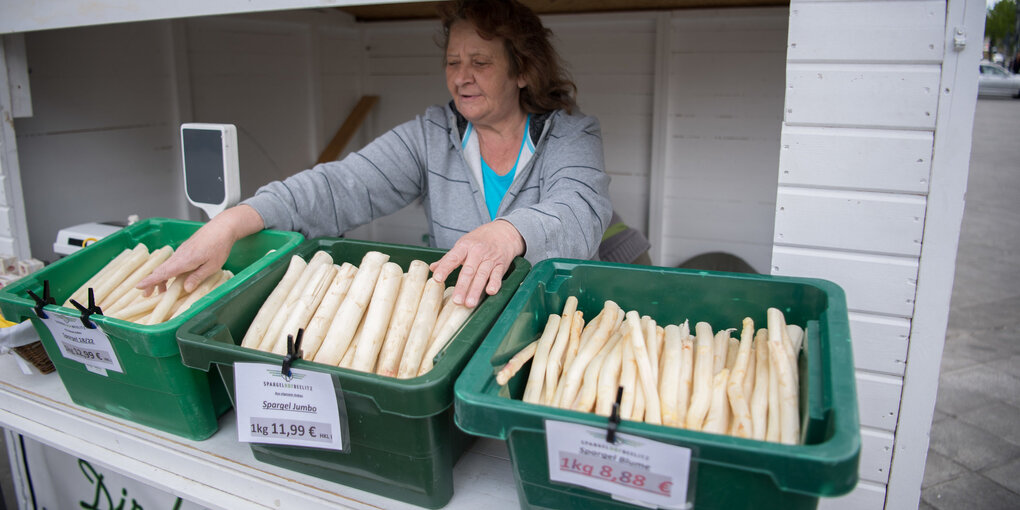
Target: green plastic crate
{"x":728,"y":472}
{"x":155,"y":389}
{"x":403,"y":440}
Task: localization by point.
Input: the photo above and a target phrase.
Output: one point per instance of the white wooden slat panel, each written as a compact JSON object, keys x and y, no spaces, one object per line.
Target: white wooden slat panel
{"x":3,"y":188}
{"x":708,"y":165}
{"x":601,"y":105}
{"x":340,"y":53}
{"x":740,"y":20}
{"x":849,"y":220}
{"x":866,"y":496}
{"x":889,"y":96}
{"x":5,"y":221}
{"x":676,"y":250}
{"x":580,"y":39}
{"x":878,"y":399}
{"x":876,"y":455}
{"x":6,"y":246}
{"x":718,"y":218}
{"x":879,"y":343}
{"x":629,"y":194}
{"x":863,"y":159}
{"x":697,"y":75}
{"x":872,"y":283}
{"x":597,"y":81}
{"x":132,"y":73}
{"x":235,"y":63}
{"x":885,"y":31}
{"x":720,"y":125}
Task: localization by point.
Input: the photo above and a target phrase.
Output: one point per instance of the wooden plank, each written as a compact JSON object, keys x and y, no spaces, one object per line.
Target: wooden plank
{"x":17,"y":75}
{"x":860,"y":95}
{"x":347,"y":129}
{"x":881,"y":31}
{"x":876,"y":455}
{"x":862,"y":159}
{"x":950,"y":164}
{"x":879,"y":343}
{"x":873,"y":283}
{"x":884,"y":223}
{"x":724,"y":219}
{"x":866,"y":496}
{"x":878,"y":398}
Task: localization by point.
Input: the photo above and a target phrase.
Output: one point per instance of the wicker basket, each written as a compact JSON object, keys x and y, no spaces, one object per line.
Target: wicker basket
{"x":35,"y":354}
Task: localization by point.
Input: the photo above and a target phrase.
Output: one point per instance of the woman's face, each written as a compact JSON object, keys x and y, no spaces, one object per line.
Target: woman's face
{"x":478,"y":77}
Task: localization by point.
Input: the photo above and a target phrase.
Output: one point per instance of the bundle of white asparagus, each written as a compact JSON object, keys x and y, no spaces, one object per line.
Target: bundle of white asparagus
{"x":371,"y":318}
{"x":115,"y":293}
{"x":709,"y":381}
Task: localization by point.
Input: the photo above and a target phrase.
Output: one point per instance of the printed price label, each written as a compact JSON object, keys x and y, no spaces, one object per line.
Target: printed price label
{"x":633,"y":469}
{"x":90,"y":347}
{"x":299,"y":411}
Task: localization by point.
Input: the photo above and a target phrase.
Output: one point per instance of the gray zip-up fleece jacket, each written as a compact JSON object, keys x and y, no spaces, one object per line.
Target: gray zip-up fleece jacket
{"x":559,"y":202}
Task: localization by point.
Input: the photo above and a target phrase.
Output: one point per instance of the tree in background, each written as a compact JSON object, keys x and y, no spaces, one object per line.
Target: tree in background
{"x":1000,"y":28}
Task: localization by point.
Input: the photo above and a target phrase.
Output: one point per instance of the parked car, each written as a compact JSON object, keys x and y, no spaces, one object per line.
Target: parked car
{"x":995,"y":80}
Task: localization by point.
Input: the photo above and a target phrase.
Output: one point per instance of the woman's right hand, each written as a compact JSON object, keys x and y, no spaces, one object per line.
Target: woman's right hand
{"x":206,"y":250}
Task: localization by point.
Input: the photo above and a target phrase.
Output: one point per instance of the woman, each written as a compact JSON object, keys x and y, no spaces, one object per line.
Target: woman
{"x":507,"y":168}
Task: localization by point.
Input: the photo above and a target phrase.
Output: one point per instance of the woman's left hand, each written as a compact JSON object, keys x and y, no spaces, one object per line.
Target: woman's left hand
{"x":485,"y":255}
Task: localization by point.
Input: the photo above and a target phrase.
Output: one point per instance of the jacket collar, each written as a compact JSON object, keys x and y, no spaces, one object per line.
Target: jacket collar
{"x":536,"y":128}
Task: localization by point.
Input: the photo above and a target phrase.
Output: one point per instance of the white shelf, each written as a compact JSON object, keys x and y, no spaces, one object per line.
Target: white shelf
{"x":218,"y":472}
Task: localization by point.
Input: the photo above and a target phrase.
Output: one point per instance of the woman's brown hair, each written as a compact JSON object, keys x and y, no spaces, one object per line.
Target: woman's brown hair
{"x":529,"y":50}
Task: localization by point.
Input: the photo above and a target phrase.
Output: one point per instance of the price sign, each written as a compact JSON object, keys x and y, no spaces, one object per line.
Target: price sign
{"x":633,"y":469}
{"x":90,"y":347}
{"x":301,"y":410}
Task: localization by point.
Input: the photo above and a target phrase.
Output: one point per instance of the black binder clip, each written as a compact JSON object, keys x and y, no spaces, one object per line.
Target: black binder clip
{"x":614,"y":417}
{"x":293,"y":352}
{"x":40,"y":302}
{"x":87,"y":312}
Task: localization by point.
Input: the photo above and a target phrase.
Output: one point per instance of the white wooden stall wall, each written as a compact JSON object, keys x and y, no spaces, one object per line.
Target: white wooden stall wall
{"x":725,"y":104}
{"x":100,"y":143}
{"x":863,"y":81}
{"x":852,"y":150}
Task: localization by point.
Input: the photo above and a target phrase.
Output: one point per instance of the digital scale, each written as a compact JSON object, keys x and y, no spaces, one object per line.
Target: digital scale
{"x":211,"y":182}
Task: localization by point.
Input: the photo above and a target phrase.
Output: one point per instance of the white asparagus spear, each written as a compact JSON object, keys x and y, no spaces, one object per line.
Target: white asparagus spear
{"x":167,"y":300}
{"x":628,"y":380}
{"x":139,"y":254}
{"x":646,"y":375}
{"x":274,"y":333}
{"x":587,"y":330}
{"x":789,"y":414}
{"x":683,"y":396}
{"x":536,"y":378}
{"x":515,"y":363}
{"x":323,"y":316}
{"x":421,"y":329}
{"x":732,"y":349}
{"x":142,"y":304}
{"x":574,"y":342}
{"x":588,"y":392}
{"x":458,"y":315}
{"x":554,"y":363}
{"x":348,"y":315}
{"x":760,"y":394}
{"x":669,"y":375}
{"x":377,"y":318}
{"x":701,"y":397}
{"x":735,"y":386}
{"x":748,"y":386}
{"x":411,"y":289}
{"x":587,"y":351}
{"x":719,"y":409}
{"x":211,"y":282}
{"x":304,"y":307}
{"x":152,"y":261}
{"x":608,"y":380}
{"x":81,"y":295}
{"x":257,"y":330}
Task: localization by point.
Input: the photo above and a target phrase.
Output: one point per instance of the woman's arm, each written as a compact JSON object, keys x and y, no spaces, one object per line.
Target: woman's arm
{"x":206,"y":250}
